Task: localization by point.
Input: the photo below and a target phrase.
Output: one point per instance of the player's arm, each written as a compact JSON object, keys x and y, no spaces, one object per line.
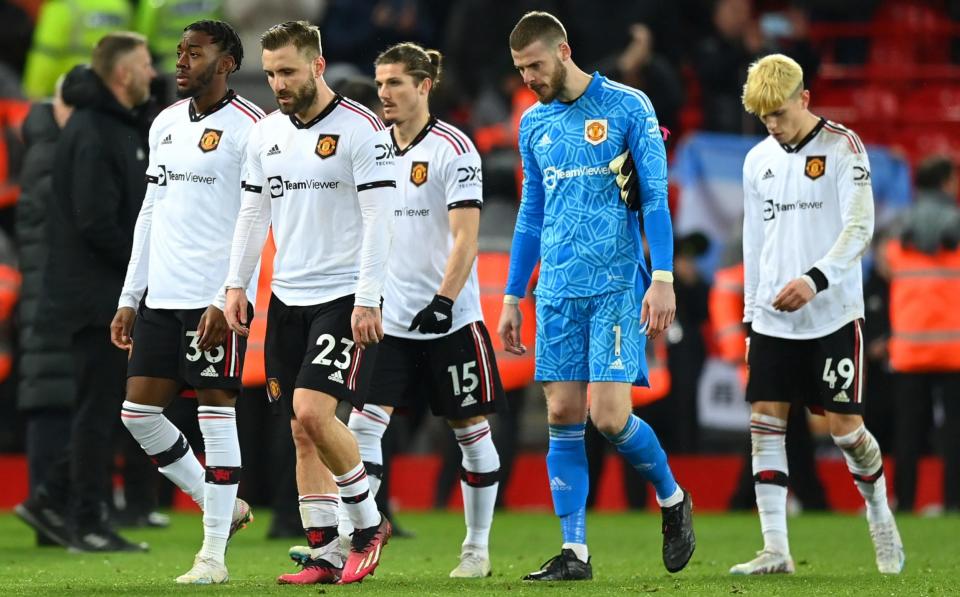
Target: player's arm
{"x":464,"y":192}
{"x":135,"y":283}
{"x":376,"y":182}
{"x":525,"y":250}
{"x":645,"y":142}
{"x":253,"y":223}
{"x":856,"y":212}
{"x":752,"y":243}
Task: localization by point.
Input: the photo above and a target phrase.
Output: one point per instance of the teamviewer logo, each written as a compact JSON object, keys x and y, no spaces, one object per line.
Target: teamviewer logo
{"x":276,"y":186}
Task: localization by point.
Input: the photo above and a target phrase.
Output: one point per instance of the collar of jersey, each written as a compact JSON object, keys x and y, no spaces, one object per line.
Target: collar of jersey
{"x":337,"y":98}
{"x":806,"y":139}
{"x":592,"y":87}
{"x":194,"y":117}
{"x":423,"y":133}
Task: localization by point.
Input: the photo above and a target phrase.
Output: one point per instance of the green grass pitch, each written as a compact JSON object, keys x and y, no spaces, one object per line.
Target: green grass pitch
{"x":832,"y":552}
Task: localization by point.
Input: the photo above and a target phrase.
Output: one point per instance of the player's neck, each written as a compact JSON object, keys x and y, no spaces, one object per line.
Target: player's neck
{"x":810,"y":121}
{"x":577,"y":83}
{"x":210,"y":96}
{"x":406,"y":131}
{"x":324,"y":96}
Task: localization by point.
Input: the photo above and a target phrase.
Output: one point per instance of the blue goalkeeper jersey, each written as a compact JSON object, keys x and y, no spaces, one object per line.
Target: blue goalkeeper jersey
{"x":571,"y":216}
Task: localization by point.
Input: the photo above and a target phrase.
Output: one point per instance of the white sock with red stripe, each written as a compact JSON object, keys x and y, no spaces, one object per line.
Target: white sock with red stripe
{"x":318,"y":514}
{"x":770,"y":476}
{"x":218,"y":424}
{"x":165,"y":446}
{"x":356,"y":497}
{"x":479,"y":481}
{"x":368,"y":427}
{"x":862,"y":453}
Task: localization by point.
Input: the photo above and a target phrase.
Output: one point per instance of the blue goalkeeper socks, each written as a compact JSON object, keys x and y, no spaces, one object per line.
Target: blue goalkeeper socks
{"x":569,"y":480}
{"x":639,"y":445}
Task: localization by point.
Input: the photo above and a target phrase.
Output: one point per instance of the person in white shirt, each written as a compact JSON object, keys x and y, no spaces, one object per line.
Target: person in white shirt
{"x":320,"y":171}
{"x":179,"y":261}
{"x":436,"y":347}
{"x":808,"y":219}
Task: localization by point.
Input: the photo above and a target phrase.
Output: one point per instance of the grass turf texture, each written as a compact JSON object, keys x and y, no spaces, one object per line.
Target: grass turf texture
{"x":832,"y":552}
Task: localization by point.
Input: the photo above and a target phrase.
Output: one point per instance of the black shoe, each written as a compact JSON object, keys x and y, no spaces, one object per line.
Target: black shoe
{"x":49,"y":522}
{"x":102,"y":538}
{"x":133,"y":520}
{"x":678,"y":538}
{"x":566,"y":566}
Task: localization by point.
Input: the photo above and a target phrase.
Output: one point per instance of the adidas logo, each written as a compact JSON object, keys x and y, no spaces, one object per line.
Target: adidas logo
{"x":209,"y":372}
{"x":275,"y":150}
{"x":440,"y":316}
{"x":557,"y":484}
{"x":336,"y":376}
{"x":167,"y":140}
{"x":618,"y":364}
{"x":767,"y":174}
{"x":841,"y":397}
{"x":544,"y":140}
{"x":469,"y":400}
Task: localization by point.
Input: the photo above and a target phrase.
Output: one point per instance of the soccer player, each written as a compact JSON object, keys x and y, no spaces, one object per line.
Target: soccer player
{"x":321,"y":172}
{"x":180,"y":252}
{"x":435,"y":342}
{"x":808,"y":217}
{"x":592,"y":276}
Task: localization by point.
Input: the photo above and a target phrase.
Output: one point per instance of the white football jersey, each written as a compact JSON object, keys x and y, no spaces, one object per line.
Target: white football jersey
{"x":328,"y":187}
{"x":181,"y":243}
{"x":437,"y":172}
{"x":808,"y":209}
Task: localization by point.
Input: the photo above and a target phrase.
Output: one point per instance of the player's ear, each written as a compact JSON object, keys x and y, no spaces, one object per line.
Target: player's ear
{"x":805,"y":98}
{"x":565,"y":52}
{"x":426,"y":85}
{"x":227,"y":64}
{"x":319,"y":65}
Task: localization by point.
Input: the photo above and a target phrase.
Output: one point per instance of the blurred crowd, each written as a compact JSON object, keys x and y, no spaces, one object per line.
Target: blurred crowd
{"x":689,"y":56}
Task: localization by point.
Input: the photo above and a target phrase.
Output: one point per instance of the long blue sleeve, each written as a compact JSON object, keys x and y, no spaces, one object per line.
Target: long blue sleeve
{"x":525,"y":251}
{"x":650,"y":158}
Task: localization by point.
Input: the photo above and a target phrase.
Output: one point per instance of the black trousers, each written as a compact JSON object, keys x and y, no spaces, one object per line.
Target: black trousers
{"x":81,"y":477}
{"x":915,"y":393}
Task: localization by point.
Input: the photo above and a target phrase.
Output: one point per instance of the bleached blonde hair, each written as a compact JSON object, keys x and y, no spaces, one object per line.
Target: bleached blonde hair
{"x":771,"y":81}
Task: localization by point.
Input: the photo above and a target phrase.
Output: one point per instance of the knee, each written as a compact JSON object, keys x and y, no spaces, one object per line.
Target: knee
{"x":609,"y":422}
{"x":301,"y":439}
{"x":563,"y":412}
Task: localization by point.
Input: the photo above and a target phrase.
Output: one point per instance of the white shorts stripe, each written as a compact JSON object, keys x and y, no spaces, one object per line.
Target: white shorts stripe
{"x":484,"y":359}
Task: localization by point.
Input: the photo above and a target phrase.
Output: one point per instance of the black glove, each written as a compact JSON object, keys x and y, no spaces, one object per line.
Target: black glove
{"x":626,"y":172}
{"x":435,"y":318}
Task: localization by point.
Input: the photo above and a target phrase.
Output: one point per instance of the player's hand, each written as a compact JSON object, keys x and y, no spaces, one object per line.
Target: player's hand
{"x":366,"y":325}
{"x":212,"y":329}
{"x":236,"y":311}
{"x":509,"y":329}
{"x":659,"y":308}
{"x":435,"y":318}
{"x":794,"y":295}
{"x":626,"y":178}
{"x":121,"y":326}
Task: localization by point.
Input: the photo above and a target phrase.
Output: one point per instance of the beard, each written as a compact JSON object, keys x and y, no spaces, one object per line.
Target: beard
{"x":554,"y":85}
{"x":199,"y":84}
{"x":302,"y":98}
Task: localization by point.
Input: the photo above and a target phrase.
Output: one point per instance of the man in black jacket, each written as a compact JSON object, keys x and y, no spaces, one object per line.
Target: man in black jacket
{"x":98,"y":185}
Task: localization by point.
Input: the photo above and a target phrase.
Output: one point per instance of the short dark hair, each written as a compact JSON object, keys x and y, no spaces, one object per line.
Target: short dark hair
{"x":536,"y":26}
{"x":301,"y":34}
{"x":417,"y":62}
{"x":111,"y":48}
{"x":223,"y":35}
{"x":934,"y":171}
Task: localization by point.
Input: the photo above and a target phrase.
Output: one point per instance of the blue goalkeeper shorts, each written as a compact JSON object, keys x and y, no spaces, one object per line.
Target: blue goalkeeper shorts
{"x":594,"y":338}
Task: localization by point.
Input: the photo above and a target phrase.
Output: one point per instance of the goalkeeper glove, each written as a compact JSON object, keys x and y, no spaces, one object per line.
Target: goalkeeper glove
{"x":435,"y":318}
{"x":625,"y":170}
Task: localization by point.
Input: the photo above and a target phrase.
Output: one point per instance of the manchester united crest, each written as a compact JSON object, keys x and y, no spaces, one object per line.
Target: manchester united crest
{"x":816,"y":166}
{"x":419,"y":172}
{"x":273,"y":389}
{"x":327,"y":145}
{"x":210,"y":140}
{"x":595,"y":130}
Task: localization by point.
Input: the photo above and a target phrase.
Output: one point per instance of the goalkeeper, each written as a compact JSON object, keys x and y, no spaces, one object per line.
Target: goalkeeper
{"x":594,"y":295}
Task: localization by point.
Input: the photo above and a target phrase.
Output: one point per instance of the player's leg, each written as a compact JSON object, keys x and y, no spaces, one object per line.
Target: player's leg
{"x":841,"y":360}
{"x":368,"y":426}
{"x":154,"y":378}
{"x":465,"y":387}
{"x":616,"y":356}
{"x":334,"y":368}
{"x":561,"y":354}
{"x":770,"y":391}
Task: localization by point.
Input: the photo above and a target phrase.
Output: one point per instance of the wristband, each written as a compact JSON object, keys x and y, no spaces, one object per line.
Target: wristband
{"x":661,"y":275}
{"x":509,"y":299}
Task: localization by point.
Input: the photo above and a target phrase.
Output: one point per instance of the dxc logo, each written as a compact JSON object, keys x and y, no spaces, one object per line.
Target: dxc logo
{"x":386,"y":151}
{"x":469,"y":174}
